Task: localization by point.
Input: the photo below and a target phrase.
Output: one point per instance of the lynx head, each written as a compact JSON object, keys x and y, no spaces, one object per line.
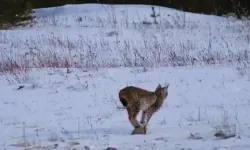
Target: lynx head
{"x":162,"y":92}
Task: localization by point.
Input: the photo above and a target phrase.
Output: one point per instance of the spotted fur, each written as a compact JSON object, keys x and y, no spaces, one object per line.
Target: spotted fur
{"x":136,"y":99}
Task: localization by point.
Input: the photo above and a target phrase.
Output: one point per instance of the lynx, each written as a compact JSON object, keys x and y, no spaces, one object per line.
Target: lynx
{"x":135,"y":99}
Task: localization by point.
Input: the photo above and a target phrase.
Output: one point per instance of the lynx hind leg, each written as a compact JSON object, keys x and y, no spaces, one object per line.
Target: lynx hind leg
{"x":132,"y":115}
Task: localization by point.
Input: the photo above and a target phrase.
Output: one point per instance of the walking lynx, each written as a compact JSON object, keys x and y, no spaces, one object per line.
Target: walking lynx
{"x":135,"y":99}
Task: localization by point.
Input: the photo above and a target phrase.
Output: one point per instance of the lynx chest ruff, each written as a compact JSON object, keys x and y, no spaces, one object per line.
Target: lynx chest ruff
{"x":145,"y":103}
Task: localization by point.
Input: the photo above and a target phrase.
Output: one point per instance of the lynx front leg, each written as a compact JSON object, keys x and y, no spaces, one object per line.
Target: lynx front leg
{"x":143,"y":121}
{"x":149,"y":113}
{"x":132,"y":114}
{"x":143,"y":117}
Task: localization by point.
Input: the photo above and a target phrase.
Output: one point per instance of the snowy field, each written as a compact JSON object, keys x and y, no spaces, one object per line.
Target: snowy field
{"x":60,"y":78}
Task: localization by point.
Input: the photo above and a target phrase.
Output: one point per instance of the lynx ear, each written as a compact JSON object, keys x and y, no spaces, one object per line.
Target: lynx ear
{"x":167,"y":85}
{"x":159,"y":86}
{"x":166,"y":88}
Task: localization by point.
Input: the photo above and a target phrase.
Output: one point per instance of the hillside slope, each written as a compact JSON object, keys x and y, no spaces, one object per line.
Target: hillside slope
{"x":60,"y":79}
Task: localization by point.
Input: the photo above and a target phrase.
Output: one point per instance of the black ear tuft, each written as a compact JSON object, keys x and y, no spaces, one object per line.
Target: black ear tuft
{"x":167,"y":85}
{"x":159,"y":86}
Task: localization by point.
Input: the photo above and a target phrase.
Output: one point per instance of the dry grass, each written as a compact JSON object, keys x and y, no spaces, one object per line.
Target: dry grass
{"x":53,"y":51}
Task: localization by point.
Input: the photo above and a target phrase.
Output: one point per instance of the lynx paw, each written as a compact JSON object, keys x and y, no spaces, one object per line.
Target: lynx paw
{"x":140,"y":130}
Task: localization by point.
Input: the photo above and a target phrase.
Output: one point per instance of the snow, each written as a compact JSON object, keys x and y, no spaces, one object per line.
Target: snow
{"x":83,"y":107}
{"x":79,"y":109}
{"x":92,"y":35}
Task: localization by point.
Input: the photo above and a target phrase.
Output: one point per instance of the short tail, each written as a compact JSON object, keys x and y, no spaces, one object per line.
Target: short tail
{"x":124,"y":102}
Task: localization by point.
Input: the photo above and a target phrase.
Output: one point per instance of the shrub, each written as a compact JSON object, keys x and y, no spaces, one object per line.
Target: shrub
{"x":14,"y":11}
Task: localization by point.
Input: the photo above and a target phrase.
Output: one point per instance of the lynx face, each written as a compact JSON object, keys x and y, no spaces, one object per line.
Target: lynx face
{"x":162,"y":92}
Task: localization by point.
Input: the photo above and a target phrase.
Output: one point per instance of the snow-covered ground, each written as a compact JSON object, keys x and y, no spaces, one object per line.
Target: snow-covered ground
{"x":59,"y":108}
{"x":203,"y":57}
